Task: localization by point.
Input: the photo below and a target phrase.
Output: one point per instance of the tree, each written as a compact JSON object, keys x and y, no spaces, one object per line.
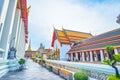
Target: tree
{"x":111,"y":61}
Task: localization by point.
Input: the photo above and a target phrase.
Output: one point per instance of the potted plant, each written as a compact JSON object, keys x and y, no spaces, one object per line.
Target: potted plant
{"x":21,"y":62}
{"x":80,"y":76}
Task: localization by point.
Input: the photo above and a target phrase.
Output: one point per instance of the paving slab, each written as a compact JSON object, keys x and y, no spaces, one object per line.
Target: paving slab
{"x":33,"y":71}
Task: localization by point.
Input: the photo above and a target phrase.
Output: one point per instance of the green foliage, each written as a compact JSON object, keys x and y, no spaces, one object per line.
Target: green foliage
{"x":117,"y":57}
{"x":76,"y":60}
{"x":80,"y":76}
{"x":109,"y":48}
{"x":49,"y":57}
{"x":33,"y":59}
{"x":40,"y":57}
{"x":43,"y":61}
{"x":113,"y":77}
{"x":108,"y":62}
{"x":112,"y":61}
{"x":21,"y":61}
{"x":50,"y":68}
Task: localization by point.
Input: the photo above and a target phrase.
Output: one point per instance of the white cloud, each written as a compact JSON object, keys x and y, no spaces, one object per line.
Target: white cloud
{"x":97,"y":18}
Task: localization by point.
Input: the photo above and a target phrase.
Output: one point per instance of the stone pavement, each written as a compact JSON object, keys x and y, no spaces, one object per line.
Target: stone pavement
{"x":33,"y":72}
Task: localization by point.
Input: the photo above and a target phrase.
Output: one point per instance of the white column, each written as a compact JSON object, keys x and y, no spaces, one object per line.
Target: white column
{"x":15,"y":28}
{"x":116,"y":51}
{"x":101,"y":55}
{"x":68,"y":57}
{"x":95,"y":57}
{"x":80,"y":56}
{"x":87,"y":57}
{"x":83,"y":56}
{"x":76,"y":55}
{"x":106,"y":54}
{"x":71,"y":56}
{"x":7,"y":27}
{"x":91,"y":56}
{"x":3,"y":16}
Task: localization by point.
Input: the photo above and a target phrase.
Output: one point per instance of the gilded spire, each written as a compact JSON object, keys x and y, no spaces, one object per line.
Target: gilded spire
{"x":29,"y":46}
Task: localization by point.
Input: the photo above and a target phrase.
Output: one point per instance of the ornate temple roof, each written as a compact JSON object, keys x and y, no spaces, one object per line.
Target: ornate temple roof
{"x":22,"y":4}
{"x":111,"y":38}
{"x":68,"y":36}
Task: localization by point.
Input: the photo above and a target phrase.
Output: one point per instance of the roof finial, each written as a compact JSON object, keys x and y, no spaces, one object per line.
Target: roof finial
{"x":29,"y":46}
{"x":62,"y":27}
{"x":53,"y":27}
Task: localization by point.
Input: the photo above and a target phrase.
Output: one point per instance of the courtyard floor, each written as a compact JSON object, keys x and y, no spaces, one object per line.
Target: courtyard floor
{"x":33,"y":71}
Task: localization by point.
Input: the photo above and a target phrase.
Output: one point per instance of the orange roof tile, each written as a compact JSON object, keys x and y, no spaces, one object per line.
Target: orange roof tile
{"x":69,"y":36}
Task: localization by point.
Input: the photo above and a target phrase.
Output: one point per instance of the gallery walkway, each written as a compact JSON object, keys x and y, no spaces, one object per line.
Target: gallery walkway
{"x":33,"y":72}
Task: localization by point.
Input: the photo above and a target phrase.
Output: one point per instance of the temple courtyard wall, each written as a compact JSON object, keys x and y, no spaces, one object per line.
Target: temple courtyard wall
{"x":94,"y":70}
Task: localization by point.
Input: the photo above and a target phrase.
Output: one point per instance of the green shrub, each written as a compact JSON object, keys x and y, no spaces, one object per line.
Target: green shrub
{"x":109,"y":48}
{"x":113,"y":77}
{"x":76,"y":60}
{"x":33,"y":59}
{"x":50,"y":68}
{"x":43,"y":61}
{"x":107,"y":62}
{"x":80,"y":76}
{"x":117,"y":57}
{"x":21,"y":61}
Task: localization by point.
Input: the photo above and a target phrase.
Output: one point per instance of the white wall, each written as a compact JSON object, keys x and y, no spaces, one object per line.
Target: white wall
{"x":63,"y":49}
{"x":57,"y":44}
{"x":21,"y":41}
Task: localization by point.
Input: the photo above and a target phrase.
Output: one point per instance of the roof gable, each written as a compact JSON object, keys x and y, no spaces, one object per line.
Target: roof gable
{"x":68,"y":36}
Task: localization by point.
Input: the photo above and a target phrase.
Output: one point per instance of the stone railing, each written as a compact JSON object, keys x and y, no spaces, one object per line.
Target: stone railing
{"x":56,"y":70}
{"x":97,"y":71}
{"x":66,"y":74}
{"x":8,"y":65}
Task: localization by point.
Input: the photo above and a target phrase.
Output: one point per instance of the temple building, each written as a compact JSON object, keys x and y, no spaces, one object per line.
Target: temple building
{"x":62,"y":41}
{"x":29,"y":53}
{"x":13,"y":33}
{"x":13,"y":27}
{"x":42,"y":51}
{"x":93,"y":49}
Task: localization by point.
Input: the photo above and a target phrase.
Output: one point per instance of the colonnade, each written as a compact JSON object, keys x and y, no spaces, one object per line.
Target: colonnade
{"x":91,"y":55}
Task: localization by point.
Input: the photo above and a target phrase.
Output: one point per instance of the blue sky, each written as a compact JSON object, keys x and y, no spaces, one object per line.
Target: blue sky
{"x":92,"y":16}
